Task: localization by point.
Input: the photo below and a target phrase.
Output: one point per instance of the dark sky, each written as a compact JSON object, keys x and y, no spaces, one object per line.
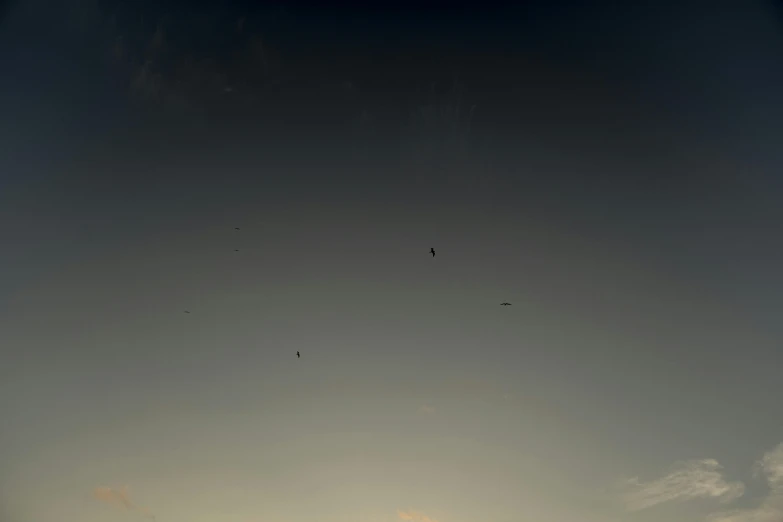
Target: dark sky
{"x":612,"y":169}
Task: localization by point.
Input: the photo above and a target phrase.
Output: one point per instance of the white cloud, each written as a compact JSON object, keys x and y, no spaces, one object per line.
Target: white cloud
{"x":694,"y":479}
{"x":771,"y":466}
{"x":771,"y":508}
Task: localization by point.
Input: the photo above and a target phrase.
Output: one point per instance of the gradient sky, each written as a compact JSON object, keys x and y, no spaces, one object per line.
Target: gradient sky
{"x":612,"y":170}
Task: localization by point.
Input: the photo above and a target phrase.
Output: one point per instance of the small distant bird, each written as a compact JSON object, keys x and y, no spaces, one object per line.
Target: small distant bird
{"x":187,"y":312}
{"x":236,"y":228}
{"x":505,"y":304}
{"x":236,"y":250}
{"x":297,"y":355}
{"x":432,"y":251}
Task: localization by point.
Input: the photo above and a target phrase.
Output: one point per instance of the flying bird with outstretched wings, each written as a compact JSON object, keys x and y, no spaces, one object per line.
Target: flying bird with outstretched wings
{"x":297,"y":355}
{"x":432,"y":251}
{"x":505,"y":304}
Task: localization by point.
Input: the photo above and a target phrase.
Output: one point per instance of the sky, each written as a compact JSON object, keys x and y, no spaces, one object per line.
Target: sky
{"x":193,"y":192}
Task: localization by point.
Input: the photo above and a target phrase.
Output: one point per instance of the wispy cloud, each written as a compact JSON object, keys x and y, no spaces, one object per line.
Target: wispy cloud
{"x":703,"y":479}
{"x":694,"y":479}
{"x":771,"y":466}
{"x":426,"y":409}
{"x":121,"y":498}
{"x":771,"y":508}
{"x":414,"y":516}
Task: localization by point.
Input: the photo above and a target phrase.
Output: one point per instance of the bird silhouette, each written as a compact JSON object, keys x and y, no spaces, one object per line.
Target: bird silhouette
{"x":297,"y":355}
{"x":187,"y":312}
{"x":505,"y":304}
{"x":236,"y":228}
{"x":432,"y":251}
{"x":236,"y":250}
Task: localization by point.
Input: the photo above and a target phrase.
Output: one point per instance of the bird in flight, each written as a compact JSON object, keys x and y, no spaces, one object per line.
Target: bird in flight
{"x":432,"y":251}
{"x":236,"y":228}
{"x":187,"y":312}
{"x":297,"y":355}
{"x":236,"y":250}
{"x":505,"y":304}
